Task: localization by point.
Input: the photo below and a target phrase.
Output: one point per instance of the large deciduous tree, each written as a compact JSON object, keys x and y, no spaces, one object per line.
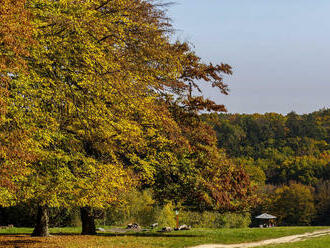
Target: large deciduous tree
{"x":90,"y":98}
{"x":15,"y":145}
{"x":110,"y":101}
{"x":198,"y":175}
{"x":15,"y":35}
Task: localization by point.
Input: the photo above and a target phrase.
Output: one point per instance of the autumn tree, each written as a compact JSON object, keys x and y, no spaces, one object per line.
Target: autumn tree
{"x":108,"y":96}
{"x":293,"y":205}
{"x":322,"y":203}
{"x":198,"y":174}
{"x":15,"y":35}
{"x":87,"y":96}
{"x":15,"y":144}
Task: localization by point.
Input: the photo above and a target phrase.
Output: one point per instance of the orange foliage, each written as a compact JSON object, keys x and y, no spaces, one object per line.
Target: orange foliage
{"x":15,"y":34}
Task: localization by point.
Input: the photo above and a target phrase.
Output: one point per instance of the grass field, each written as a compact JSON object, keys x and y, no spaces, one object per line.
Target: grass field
{"x":70,"y":238}
{"x":321,"y":242}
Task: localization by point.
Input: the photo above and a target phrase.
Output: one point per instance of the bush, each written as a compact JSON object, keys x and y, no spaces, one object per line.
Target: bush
{"x":234,"y":220}
{"x":215,"y":219}
{"x":138,"y":207}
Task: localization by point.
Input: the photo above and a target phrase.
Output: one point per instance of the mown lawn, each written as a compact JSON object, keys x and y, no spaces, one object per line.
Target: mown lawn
{"x":320,"y":242}
{"x":70,"y":238}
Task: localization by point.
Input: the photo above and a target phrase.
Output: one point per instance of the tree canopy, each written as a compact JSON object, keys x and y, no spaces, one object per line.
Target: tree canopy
{"x":98,"y":100}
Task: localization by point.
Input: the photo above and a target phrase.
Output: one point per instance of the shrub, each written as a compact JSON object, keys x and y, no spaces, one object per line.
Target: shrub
{"x":234,"y":220}
{"x":138,"y":207}
{"x":215,"y":219}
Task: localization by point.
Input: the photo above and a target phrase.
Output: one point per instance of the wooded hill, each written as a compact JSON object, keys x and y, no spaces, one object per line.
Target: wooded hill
{"x":280,"y":150}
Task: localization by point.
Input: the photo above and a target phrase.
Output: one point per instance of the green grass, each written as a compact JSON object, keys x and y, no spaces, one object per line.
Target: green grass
{"x":69,"y":238}
{"x":320,"y":242}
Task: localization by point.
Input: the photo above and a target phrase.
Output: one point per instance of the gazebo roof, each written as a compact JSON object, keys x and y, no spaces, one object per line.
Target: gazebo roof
{"x":266,"y":216}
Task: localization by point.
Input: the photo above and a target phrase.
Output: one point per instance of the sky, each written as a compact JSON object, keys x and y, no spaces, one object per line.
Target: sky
{"x":279,"y":50}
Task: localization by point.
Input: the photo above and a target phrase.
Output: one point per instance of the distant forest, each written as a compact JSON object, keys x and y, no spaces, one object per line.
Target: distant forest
{"x":280,"y":151}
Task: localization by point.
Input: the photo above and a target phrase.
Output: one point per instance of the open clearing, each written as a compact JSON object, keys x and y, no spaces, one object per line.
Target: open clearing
{"x":70,"y":238}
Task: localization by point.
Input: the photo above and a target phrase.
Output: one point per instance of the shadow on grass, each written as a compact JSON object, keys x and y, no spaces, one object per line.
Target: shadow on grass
{"x":18,"y":243}
{"x":138,"y":234}
{"x":14,"y":234}
{"x":131,"y":234}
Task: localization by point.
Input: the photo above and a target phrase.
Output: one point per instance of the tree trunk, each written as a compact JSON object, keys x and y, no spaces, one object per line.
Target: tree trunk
{"x":87,"y":219}
{"x":41,"y":227}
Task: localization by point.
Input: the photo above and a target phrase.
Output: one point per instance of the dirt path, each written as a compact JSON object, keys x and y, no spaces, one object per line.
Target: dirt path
{"x":287,"y":239}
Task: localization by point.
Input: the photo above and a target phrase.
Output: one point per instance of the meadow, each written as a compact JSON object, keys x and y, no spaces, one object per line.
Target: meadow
{"x":320,"y":242}
{"x":70,"y":238}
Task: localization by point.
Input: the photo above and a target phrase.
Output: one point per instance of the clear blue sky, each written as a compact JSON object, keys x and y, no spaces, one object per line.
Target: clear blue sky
{"x":279,"y":50}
